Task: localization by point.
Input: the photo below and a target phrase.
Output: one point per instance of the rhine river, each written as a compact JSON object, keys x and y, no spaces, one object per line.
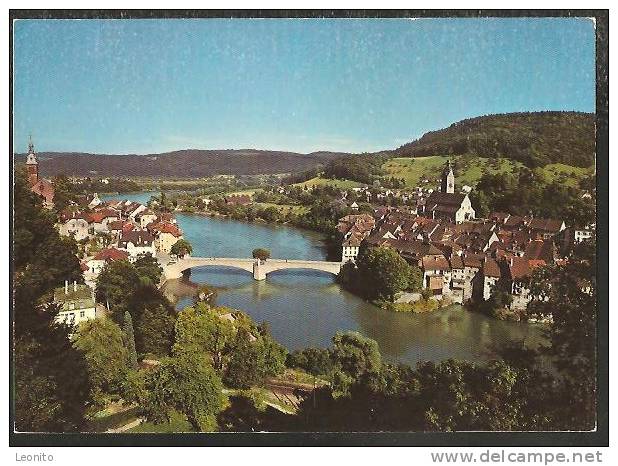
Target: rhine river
{"x":306,"y":308}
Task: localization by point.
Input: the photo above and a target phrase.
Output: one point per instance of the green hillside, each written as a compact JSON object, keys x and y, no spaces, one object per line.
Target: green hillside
{"x":469,"y":169}
{"x":533,"y":139}
{"x":336,"y":183}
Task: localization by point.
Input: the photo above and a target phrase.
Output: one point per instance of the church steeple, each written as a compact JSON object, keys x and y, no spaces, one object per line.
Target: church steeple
{"x":448,"y":179}
{"x":32,"y":164}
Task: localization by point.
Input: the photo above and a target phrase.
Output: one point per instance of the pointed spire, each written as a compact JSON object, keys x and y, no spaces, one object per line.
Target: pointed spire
{"x":31,"y":160}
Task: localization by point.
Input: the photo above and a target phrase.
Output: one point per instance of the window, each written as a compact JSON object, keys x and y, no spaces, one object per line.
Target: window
{"x":71,"y":306}
{"x":82,"y":313}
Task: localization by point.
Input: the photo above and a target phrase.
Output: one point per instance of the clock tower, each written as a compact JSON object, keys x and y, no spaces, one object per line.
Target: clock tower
{"x":448,"y":179}
{"x":32,"y":165}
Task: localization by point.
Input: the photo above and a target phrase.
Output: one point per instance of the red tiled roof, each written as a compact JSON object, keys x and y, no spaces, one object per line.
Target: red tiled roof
{"x":164,"y":227}
{"x":44,"y":188}
{"x":456,"y":262}
{"x":548,"y":225}
{"x":491,"y":268}
{"x":539,"y":249}
{"x":533,"y":264}
{"x":111,"y":254}
{"x":116,"y":225}
{"x":444,"y":199}
{"x":473,"y":260}
{"x":518,"y":268}
{"x":99,"y":215}
{"x":435,"y":263}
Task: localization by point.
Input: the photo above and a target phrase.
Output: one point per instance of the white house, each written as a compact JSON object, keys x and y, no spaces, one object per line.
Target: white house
{"x":95,"y":202}
{"x":582,"y":234}
{"x":166,"y":235}
{"x":146,"y":217}
{"x":451,"y":206}
{"x":436,"y":274}
{"x":75,"y":225}
{"x":137,"y":242}
{"x":76,"y":302}
{"x":96,"y":264}
{"x":100,"y":220}
{"x":491,"y":276}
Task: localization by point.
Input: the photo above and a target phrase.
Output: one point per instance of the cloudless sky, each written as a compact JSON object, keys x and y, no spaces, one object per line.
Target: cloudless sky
{"x":145,"y":86}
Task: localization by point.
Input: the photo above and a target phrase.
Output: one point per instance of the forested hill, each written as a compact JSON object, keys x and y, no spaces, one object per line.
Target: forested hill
{"x":191,"y":163}
{"x":535,"y":138}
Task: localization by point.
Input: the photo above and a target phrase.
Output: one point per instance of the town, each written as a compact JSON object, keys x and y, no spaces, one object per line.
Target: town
{"x":462,"y":258}
{"x":331,"y":222}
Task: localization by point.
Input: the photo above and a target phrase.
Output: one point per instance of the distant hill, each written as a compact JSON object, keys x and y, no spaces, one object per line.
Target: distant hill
{"x":190,"y":163}
{"x":534,"y":139}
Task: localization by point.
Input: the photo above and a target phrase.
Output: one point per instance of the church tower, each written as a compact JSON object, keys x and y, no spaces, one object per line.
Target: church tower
{"x":448,"y":179}
{"x":32,"y":165}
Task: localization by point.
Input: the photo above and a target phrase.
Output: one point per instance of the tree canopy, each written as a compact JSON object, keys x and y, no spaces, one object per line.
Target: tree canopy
{"x":261,"y":253}
{"x":181,"y":248}
{"x":382,"y":273}
{"x":187,"y":385}
{"x":102,"y":343}
{"x":51,"y":379}
{"x":533,"y":138}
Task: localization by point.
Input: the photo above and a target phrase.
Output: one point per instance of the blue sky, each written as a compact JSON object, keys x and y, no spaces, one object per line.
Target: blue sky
{"x":145,"y":86}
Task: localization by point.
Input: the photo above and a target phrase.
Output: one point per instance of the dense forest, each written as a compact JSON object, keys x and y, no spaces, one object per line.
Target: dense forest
{"x":190,"y":163}
{"x":535,"y":138}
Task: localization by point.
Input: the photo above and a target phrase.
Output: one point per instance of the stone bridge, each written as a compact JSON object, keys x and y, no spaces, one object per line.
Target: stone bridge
{"x":258,"y":268}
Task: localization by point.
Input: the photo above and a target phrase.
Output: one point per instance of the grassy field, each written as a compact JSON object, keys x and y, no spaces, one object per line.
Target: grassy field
{"x":566,"y":174}
{"x":415,"y":169}
{"x":284,"y":208}
{"x":318,"y":181}
{"x":248,"y":192}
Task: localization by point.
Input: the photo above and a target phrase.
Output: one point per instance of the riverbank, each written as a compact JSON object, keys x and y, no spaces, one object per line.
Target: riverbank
{"x":306,"y":308}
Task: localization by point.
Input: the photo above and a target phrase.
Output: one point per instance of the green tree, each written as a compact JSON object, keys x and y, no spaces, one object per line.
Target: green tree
{"x":200,"y":330}
{"x":246,"y":363}
{"x":101,"y":342}
{"x":129,"y":339}
{"x":188,"y":385}
{"x":261,"y":253}
{"x":415,"y":279}
{"x":274,"y":355}
{"x":52,"y":389}
{"x":51,"y":379}
{"x":181,"y":248}
{"x":123,"y":287}
{"x":315,"y":361}
{"x":115,"y":286}
{"x":154,"y":318}
{"x":354,"y":357}
{"x":382,"y":273}
{"x":65,"y":192}
{"x":568,"y":294}
{"x":148,"y":268}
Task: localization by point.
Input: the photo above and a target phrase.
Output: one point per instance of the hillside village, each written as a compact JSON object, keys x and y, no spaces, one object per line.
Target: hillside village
{"x":463,"y":258}
{"x":105,"y":232}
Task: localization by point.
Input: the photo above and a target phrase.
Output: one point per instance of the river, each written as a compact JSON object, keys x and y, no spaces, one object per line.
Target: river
{"x":306,"y":308}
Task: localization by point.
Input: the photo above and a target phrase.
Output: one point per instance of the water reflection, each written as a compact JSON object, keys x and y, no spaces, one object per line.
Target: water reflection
{"x":306,"y":308}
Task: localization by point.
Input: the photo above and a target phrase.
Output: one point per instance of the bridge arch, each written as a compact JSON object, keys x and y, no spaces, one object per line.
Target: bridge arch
{"x":259,"y":268}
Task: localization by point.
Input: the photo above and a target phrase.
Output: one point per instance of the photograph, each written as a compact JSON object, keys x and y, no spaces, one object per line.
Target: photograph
{"x":308,"y":228}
